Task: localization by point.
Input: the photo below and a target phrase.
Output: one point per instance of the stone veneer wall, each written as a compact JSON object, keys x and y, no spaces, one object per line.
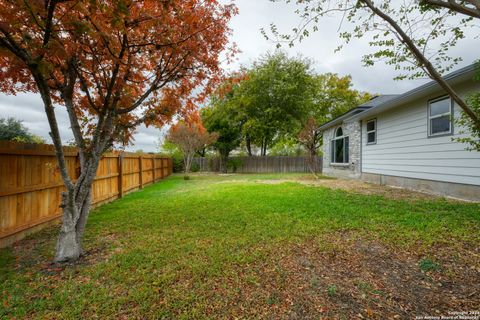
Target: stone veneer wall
{"x":352,"y":169}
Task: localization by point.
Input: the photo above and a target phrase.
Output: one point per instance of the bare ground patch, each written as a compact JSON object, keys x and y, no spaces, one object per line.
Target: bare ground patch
{"x":37,"y":252}
{"x":350,"y":278}
{"x":359,"y":187}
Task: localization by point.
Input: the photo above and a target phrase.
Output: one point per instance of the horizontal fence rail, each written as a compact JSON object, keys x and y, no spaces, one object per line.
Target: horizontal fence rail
{"x":268,"y":164}
{"x":31,"y":185}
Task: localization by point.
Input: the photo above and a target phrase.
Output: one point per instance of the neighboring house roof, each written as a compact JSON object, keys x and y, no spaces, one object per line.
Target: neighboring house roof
{"x":458,"y":76}
{"x":375,"y":101}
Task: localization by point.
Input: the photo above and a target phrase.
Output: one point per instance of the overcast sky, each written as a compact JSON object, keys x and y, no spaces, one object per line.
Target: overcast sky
{"x":255,"y":14}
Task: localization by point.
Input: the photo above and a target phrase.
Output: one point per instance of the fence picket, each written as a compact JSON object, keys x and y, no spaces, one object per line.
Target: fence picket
{"x":30,"y":184}
{"x":269,"y":164}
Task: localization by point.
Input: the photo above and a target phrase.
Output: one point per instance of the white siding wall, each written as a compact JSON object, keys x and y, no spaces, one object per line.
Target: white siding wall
{"x":404,"y":149}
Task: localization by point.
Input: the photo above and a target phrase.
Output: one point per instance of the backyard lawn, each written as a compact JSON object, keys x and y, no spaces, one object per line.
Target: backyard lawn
{"x":255,"y":246}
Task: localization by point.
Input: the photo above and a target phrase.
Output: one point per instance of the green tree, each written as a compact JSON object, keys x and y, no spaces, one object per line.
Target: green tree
{"x":13,"y":130}
{"x":169,"y":149}
{"x":222,"y":117}
{"x":333,"y":95}
{"x":272,"y":99}
{"x":273,"y":102}
{"x":286,"y":146}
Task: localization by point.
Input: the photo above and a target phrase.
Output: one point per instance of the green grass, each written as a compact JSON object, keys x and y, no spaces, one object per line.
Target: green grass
{"x":176,"y":248}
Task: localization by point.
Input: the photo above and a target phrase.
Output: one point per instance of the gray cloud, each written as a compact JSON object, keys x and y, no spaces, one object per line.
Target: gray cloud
{"x":320,"y":46}
{"x":28,"y":107}
{"x":146,"y":139}
{"x":255,"y":14}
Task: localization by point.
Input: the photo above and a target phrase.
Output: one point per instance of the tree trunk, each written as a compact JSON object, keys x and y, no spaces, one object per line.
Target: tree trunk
{"x":76,"y":208}
{"x":68,"y":247}
{"x":188,"y":164}
{"x":249,"y":145}
{"x":263,"y":152}
{"x":224,"y":161}
{"x":312,"y":163}
{"x":69,"y":244}
{"x":82,"y":221}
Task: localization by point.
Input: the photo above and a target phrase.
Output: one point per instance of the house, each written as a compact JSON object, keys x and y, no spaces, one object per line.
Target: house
{"x":407,"y":141}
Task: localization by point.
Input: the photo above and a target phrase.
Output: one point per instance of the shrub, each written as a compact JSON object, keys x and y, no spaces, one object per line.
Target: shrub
{"x":177,"y":163}
{"x":195,"y":167}
{"x":233,"y":164}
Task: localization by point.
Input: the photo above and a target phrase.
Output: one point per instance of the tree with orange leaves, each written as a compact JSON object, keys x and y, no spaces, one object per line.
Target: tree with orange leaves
{"x":190,"y":137}
{"x":112,"y":65}
{"x":310,"y":137}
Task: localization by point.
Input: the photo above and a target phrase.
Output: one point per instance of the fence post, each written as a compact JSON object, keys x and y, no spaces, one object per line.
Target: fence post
{"x":141,"y":171}
{"x":120,"y":175}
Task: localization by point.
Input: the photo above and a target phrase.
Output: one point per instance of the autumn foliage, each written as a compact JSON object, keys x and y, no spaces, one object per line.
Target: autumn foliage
{"x":190,"y":137}
{"x":119,"y":55}
{"x":112,"y":65}
{"x":310,"y":137}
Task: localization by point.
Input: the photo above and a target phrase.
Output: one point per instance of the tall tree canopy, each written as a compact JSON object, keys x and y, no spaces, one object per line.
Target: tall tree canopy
{"x":273,"y":98}
{"x":270,"y":103}
{"x":112,"y":65}
{"x":223,"y":117}
{"x":332,"y":95}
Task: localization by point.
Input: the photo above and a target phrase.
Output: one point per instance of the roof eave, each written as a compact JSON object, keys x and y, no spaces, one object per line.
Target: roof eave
{"x":453,"y":78}
{"x":349,"y":114}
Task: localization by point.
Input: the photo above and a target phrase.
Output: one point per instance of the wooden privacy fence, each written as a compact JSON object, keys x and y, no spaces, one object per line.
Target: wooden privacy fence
{"x":31,"y":185}
{"x":269,"y":164}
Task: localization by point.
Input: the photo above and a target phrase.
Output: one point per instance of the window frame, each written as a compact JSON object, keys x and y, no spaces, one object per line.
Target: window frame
{"x":371,"y":131}
{"x":430,"y":118}
{"x":333,"y":146}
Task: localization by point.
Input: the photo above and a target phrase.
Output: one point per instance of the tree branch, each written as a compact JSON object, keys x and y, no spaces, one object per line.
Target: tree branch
{"x":423,"y":61}
{"x":455,"y":6}
{"x":52,"y":120}
{"x":67,"y":94}
{"x":116,"y":69}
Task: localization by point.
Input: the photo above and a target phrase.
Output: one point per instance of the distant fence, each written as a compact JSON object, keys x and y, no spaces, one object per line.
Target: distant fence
{"x":31,"y":185}
{"x":269,"y":164}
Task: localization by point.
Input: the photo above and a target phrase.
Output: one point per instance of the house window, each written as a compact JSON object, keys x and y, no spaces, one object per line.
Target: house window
{"x":440,"y":116}
{"x":372,"y":131}
{"x":339,"y":147}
